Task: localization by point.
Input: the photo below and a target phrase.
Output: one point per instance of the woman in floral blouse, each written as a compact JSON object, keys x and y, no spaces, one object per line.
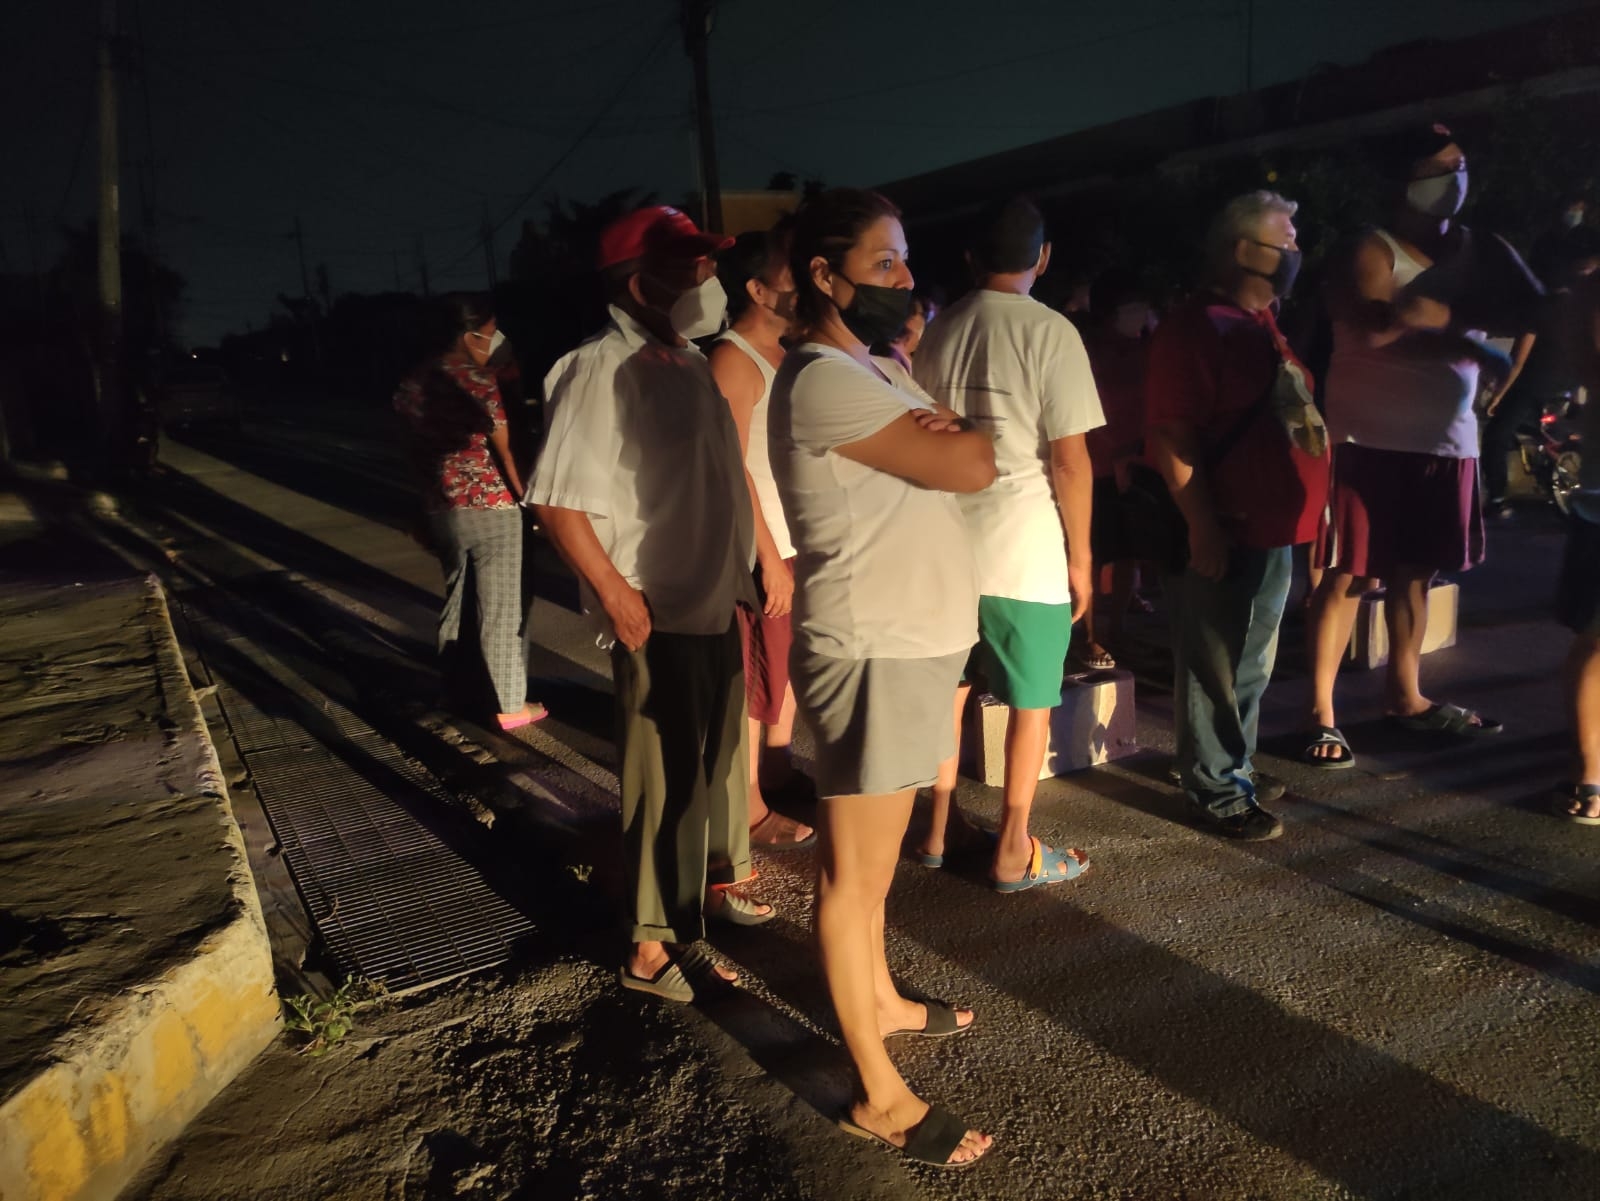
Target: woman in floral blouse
{"x":470,"y":484}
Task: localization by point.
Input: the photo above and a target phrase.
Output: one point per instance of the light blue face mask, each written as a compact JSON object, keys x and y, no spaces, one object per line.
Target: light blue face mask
{"x":1438,"y":195}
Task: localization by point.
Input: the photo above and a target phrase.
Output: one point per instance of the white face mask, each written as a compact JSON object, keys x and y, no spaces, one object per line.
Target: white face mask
{"x":496,"y":341}
{"x":699,"y":312}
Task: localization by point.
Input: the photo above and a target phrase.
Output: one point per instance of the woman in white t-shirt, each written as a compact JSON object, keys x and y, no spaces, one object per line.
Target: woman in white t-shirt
{"x":885,"y":611}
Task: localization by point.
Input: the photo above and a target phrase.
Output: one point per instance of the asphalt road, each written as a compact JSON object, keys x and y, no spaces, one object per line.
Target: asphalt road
{"x":1395,"y":1000}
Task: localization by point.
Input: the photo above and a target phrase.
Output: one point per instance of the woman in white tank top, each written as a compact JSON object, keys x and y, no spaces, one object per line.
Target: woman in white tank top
{"x":760,"y":288}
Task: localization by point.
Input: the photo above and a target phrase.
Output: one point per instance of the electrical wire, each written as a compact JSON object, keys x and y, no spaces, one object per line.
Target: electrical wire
{"x":573,"y":146}
{"x":941,"y":78}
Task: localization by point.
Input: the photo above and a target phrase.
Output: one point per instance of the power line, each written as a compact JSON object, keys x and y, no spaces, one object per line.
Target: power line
{"x":572,"y":147}
{"x":77,"y":155}
{"x":438,"y":32}
{"x":941,"y":78}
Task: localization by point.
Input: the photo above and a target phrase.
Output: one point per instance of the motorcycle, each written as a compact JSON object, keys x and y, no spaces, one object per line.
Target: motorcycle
{"x":1552,"y":454}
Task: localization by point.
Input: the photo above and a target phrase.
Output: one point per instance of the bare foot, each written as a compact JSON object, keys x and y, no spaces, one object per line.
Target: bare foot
{"x":959,"y":837}
{"x":895,"y":1124}
{"x":1578,"y":805}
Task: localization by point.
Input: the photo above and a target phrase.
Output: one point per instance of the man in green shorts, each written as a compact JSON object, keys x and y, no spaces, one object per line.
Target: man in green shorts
{"x":1019,"y":370}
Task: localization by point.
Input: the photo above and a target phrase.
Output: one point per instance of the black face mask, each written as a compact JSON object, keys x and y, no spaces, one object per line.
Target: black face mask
{"x":1282,"y":276}
{"x":875,"y":313}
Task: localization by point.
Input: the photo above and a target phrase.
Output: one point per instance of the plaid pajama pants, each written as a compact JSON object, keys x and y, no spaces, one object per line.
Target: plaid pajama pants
{"x":485,"y":547}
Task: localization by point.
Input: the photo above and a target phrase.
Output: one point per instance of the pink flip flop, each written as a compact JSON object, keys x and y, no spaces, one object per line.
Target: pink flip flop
{"x":531,"y":712}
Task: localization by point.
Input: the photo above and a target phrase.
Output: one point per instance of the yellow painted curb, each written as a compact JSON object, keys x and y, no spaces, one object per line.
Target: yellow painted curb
{"x":129,"y":1078}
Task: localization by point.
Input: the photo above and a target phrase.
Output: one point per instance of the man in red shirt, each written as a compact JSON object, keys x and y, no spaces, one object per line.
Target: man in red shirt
{"x":1230,"y":425}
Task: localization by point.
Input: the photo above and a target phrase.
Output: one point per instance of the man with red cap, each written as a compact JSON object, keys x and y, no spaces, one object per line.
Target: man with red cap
{"x":640,"y":486}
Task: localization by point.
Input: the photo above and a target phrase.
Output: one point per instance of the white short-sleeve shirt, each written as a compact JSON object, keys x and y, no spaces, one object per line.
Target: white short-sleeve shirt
{"x":883,"y":569}
{"x":640,"y":439}
{"x":1018,"y":369}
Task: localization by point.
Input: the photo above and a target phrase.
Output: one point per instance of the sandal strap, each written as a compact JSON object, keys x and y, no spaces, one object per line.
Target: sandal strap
{"x":935,"y":1138}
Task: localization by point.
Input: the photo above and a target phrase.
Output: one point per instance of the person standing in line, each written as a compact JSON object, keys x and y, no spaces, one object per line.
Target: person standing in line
{"x":1231,"y":426}
{"x":456,"y":426}
{"x":885,"y":614}
{"x":640,"y":485}
{"x":1578,"y":595}
{"x":1402,"y":384}
{"x":755,"y":274}
{"x":1118,"y":342}
{"x":1001,"y":359}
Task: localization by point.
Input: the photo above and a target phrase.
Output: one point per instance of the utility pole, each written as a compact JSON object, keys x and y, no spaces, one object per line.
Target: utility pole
{"x":115,"y":424}
{"x":1249,"y":7}
{"x":697,"y":17}
{"x":422,"y":267}
{"x":300,"y":245}
{"x":488,"y":246}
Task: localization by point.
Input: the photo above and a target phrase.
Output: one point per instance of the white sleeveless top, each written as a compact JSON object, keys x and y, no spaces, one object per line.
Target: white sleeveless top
{"x":1386,"y":399}
{"x":757,"y":459}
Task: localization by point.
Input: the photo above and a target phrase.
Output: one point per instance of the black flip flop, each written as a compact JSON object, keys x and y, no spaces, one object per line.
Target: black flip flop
{"x":931,"y":1140}
{"x":1328,"y":736}
{"x":1448,"y":719}
{"x":941,"y":1023}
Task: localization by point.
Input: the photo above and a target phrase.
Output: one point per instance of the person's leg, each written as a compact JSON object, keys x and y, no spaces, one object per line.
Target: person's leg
{"x":858,"y":848}
{"x":777,"y":760}
{"x":496,"y":555}
{"x":1213,"y":620}
{"x":665,"y":819}
{"x":1259,"y":654}
{"x":944,"y":815}
{"x":453,"y":561}
{"x":765,"y":644}
{"x":1027,"y":739}
{"x":895,"y":1012}
{"x":1516,"y":408}
{"x":1405,"y":607}
{"x":1583,"y":709}
{"x":1334,"y":608}
{"x":725,"y":758}
{"x":1124,"y":580}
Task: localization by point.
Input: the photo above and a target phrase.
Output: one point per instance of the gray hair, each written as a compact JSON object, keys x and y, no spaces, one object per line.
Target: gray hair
{"x":1241,"y":218}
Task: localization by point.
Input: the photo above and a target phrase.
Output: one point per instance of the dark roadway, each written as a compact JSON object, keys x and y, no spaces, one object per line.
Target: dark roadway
{"x":1395,"y":1000}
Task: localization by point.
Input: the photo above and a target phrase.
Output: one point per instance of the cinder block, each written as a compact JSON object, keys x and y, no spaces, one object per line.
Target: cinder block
{"x":1092,"y":725}
{"x":1369,"y":640}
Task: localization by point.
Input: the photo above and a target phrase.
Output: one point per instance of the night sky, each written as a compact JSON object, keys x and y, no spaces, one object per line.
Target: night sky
{"x":377,"y":123}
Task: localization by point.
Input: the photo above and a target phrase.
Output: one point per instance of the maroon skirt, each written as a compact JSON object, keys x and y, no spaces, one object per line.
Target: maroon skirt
{"x":1393,"y":510}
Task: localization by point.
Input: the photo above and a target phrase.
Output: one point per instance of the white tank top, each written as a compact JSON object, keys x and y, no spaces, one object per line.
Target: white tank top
{"x":1386,"y":399}
{"x":757,"y":460}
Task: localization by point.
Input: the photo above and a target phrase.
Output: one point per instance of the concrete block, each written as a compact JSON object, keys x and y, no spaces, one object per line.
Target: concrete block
{"x":1369,"y":640}
{"x":1093,"y":724}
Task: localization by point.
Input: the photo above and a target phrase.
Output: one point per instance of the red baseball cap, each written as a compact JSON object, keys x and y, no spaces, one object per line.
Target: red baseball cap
{"x":658,"y":232}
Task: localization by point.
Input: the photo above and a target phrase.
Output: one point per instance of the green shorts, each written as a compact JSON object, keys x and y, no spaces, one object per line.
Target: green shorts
{"x":1022,"y":650}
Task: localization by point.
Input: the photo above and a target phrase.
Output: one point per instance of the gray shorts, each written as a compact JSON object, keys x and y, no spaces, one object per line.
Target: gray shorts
{"x":882,"y":725}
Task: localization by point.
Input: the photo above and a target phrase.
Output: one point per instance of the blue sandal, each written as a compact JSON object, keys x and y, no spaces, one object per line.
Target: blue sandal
{"x":989,"y":838}
{"x":1047,"y":866}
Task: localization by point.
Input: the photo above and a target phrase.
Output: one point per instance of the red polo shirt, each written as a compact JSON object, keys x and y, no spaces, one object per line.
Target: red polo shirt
{"x":1209,"y":362}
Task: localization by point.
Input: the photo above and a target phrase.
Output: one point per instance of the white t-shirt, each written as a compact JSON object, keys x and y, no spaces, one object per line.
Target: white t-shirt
{"x":757,"y":457}
{"x":883,"y":567}
{"x":1020,"y":371}
{"x":1388,"y":399}
{"x":641,"y":440}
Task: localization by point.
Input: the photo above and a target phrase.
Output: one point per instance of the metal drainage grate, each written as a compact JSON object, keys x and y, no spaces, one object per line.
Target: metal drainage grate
{"x":394,"y":901}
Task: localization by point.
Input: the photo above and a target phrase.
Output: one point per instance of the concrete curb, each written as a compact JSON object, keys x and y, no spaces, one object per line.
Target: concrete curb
{"x":128,"y":1077}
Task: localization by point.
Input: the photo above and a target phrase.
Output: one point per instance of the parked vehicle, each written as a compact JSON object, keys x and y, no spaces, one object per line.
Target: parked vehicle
{"x":1553,"y":453}
{"x":197,"y":394}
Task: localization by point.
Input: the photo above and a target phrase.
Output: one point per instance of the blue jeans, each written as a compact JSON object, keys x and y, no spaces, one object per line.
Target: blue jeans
{"x":1224,"y":643}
